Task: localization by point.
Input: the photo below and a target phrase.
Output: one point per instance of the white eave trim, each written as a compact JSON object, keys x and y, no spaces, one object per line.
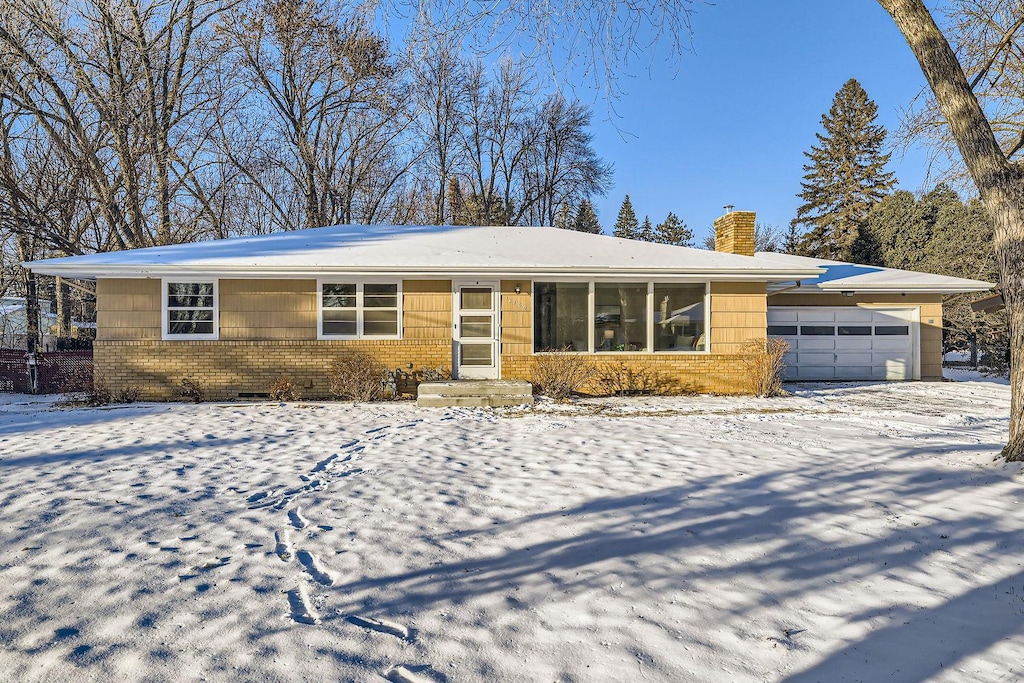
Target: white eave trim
{"x":306,"y":272}
{"x":897,"y":289}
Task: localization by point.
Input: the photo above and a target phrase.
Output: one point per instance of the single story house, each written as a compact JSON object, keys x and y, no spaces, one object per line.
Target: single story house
{"x":483,"y":301}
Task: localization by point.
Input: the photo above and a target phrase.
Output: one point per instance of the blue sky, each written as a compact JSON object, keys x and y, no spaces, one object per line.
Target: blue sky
{"x":729,"y":122}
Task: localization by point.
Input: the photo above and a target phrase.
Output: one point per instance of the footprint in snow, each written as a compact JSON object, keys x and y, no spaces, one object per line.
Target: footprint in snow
{"x":300,"y":607}
{"x":382,"y":626}
{"x":408,"y":674}
{"x":313,"y":567}
{"x":296,"y":518}
{"x":283,"y":545}
{"x":324,"y":464}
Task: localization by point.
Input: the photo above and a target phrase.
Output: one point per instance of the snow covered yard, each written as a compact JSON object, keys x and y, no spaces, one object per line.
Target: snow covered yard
{"x":858,"y":533}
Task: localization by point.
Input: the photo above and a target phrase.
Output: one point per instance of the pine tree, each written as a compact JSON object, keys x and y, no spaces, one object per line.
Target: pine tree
{"x":586,"y":218}
{"x":646,"y":232}
{"x":846,"y":175}
{"x":626,"y":225}
{"x":673,"y":231}
{"x":791,"y":240}
{"x":564,"y":217}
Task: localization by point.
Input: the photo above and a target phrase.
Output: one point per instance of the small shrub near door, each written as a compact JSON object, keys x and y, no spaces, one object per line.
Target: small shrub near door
{"x":560,"y":375}
{"x":764,"y":364}
{"x":357,"y":377}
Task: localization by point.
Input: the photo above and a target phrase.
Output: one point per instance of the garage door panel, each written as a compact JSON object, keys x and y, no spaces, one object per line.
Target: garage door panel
{"x":816,"y":315}
{"x":811,"y":358}
{"x":853,"y":343}
{"x":853,"y":371}
{"x":816,"y":372}
{"x":816,"y":343}
{"x":889,"y":317}
{"x":781,"y":317}
{"x":891,"y":370}
{"x":858,"y":358}
{"x":855,"y":315}
{"x":890,"y":344}
{"x":847,"y":343}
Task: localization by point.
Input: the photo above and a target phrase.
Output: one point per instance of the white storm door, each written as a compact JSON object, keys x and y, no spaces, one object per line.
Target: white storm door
{"x":475,"y":335}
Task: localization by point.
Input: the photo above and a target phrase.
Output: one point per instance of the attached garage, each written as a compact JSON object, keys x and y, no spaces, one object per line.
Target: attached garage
{"x":848,"y":343}
{"x":857,"y":322}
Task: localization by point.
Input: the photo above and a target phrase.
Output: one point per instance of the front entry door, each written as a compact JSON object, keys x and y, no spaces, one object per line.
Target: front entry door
{"x":475,"y":335}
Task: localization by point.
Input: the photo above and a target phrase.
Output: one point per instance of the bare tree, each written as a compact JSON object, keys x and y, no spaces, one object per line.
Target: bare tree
{"x":439,"y":91}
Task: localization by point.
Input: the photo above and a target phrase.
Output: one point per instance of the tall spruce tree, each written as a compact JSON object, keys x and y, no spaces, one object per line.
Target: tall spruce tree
{"x":846,"y":175}
{"x":673,"y":231}
{"x":626,"y":225}
{"x":586,"y":218}
{"x":646,"y":231}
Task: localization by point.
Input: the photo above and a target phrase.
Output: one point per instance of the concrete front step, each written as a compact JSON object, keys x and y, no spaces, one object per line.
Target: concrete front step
{"x":474,"y":393}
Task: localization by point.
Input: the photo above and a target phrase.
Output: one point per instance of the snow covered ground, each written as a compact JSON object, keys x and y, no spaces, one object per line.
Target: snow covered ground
{"x":848,"y":533}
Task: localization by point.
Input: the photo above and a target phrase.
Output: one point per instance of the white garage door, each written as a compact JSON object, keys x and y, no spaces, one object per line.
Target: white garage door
{"x":847,"y":343}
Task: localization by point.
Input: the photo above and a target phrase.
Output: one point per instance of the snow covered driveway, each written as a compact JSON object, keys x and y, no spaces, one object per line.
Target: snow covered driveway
{"x":858,"y":533}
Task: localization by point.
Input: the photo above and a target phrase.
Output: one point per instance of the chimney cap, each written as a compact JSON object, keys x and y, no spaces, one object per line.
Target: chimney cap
{"x":728,"y":208}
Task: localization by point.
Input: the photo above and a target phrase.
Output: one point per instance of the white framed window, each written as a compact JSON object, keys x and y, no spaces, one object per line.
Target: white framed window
{"x":599,"y":316}
{"x":347,"y":309}
{"x":189,"y":308}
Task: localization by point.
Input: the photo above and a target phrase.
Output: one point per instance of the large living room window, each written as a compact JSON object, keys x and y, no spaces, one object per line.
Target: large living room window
{"x":360,"y":310}
{"x":190,"y":309}
{"x":560,"y":312}
{"x":619,"y":317}
{"x":679,"y":317}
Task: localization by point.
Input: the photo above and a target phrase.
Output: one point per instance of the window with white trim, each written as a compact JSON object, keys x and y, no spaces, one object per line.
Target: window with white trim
{"x":624,"y":317}
{"x":190,"y":309}
{"x":360,"y":310}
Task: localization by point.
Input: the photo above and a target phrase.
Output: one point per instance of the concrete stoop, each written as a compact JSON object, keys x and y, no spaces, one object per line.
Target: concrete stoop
{"x":474,"y":393}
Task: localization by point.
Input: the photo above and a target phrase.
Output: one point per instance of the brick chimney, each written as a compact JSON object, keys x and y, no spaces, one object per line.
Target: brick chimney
{"x":734,"y":233}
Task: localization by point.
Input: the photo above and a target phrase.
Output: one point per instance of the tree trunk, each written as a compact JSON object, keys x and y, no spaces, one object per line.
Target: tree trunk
{"x":31,"y":312}
{"x":1000,"y":183}
{"x":63,"y":295}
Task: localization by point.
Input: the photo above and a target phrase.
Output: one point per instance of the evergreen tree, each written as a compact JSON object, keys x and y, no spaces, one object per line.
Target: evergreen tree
{"x":646,"y":232}
{"x":846,"y":175}
{"x":626,"y":225}
{"x":791,"y":240}
{"x":586,"y":218}
{"x":564,"y":217}
{"x":938,"y":233}
{"x":673,"y":231}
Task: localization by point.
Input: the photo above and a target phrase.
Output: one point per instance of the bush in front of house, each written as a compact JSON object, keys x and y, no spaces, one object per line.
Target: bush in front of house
{"x":192,"y":389}
{"x":283,"y":389}
{"x":561,"y":374}
{"x":764,"y":364}
{"x":357,"y":377}
{"x":623,"y":379}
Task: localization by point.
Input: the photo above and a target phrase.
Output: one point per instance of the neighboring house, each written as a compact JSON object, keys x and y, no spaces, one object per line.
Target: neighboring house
{"x":484,"y":301}
{"x":14,"y":323}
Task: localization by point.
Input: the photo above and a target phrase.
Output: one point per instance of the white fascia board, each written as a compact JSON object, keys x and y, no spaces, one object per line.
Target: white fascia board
{"x":897,"y":289}
{"x":248,"y":272}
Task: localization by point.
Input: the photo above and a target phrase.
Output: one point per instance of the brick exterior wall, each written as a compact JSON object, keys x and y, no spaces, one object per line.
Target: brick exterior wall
{"x":734,"y":233}
{"x":227,"y":368}
{"x":130,"y":353}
